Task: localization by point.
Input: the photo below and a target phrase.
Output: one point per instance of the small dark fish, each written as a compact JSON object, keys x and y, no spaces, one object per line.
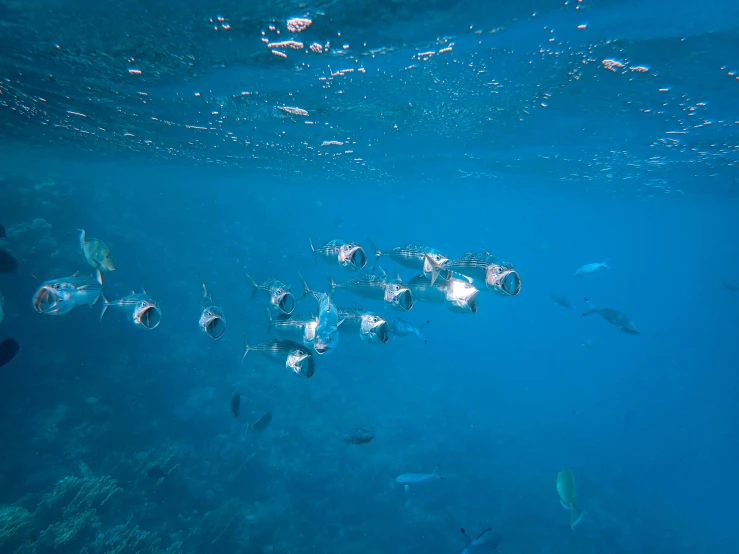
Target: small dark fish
{"x":262,"y":423}
{"x":358,"y":436}
{"x":8,"y":349}
{"x":8,"y":264}
{"x":614,"y":317}
{"x":236,"y":404}
{"x":728,"y":285}
{"x":156,"y":472}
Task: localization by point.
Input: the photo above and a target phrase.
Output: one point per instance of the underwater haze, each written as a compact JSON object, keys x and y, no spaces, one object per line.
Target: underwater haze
{"x":588,"y":148}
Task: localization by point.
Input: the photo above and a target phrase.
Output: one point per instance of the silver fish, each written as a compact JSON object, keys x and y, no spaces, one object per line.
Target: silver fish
{"x":587,"y":269}
{"x":372,"y":285}
{"x":561,"y":300}
{"x":298,"y":359}
{"x":458,"y":294}
{"x":143,"y":309}
{"x":59,"y":296}
{"x":418,"y":256}
{"x":279,"y":294}
{"x":306,"y":328}
{"x":212,"y":319}
{"x":408,"y":479}
{"x":499,"y":275}
{"x":372,"y":328}
{"x":97,"y":253}
{"x":327,"y":329}
{"x":485,"y":541}
{"x":613,"y":317}
{"x":348,"y":254}
{"x":401,"y":328}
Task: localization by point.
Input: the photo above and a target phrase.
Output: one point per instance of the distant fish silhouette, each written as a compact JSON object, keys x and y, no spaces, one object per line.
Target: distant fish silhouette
{"x":236,"y":404}
{"x":8,"y":264}
{"x":561,"y":300}
{"x":8,"y":349}
{"x":261,"y":424}
{"x":156,"y":472}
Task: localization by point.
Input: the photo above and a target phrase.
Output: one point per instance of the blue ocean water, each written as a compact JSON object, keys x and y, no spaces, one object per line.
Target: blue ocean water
{"x":202,"y":142}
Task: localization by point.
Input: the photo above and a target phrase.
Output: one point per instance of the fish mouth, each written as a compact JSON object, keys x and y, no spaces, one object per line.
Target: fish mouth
{"x":503,"y":280}
{"x":382,"y":333}
{"x":511,"y":283}
{"x":149,"y":318}
{"x":307,"y":367}
{"x":215,"y":328}
{"x":286,"y":303}
{"x":46,"y":301}
{"x":404,"y":300}
{"x":358,"y":258}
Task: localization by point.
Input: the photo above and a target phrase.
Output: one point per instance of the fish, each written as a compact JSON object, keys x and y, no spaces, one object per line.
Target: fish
{"x":408,"y":479}
{"x":235,"y":404}
{"x":372,"y":328}
{"x":728,"y":285}
{"x":358,"y":436}
{"x":613,"y":317}
{"x":8,"y":263}
{"x":59,"y":296}
{"x":327,"y":328}
{"x":561,"y":300}
{"x":212,"y":319}
{"x":418,"y":256}
{"x":487,"y":540}
{"x":306,"y":328}
{"x":298,"y":359}
{"x":587,"y":343}
{"x":587,"y":269}
{"x":97,"y":253}
{"x":279,"y":294}
{"x":260,"y":424}
{"x":376,"y":286}
{"x":499,"y":275}
{"x":8,"y":349}
{"x":144,"y":310}
{"x":401,"y":328}
{"x":2,"y":307}
{"x":566,"y":490}
{"x":349,"y":255}
{"x":458,"y":294}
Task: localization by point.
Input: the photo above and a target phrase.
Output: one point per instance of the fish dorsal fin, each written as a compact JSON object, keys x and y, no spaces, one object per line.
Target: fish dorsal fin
{"x":133,"y":291}
{"x":382,"y":271}
{"x":76,"y":273}
{"x":144,"y":290}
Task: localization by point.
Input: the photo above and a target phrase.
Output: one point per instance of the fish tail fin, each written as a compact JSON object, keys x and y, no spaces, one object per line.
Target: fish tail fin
{"x":106,"y":305}
{"x":306,"y":288}
{"x":246,"y":350}
{"x":606,"y":263}
{"x":313,"y":249}
{"x":82,"y":237}
{"x":591,"y":306}
{"x":376,"y":253}
{"x":576,"y":515}
{"x":252,"y":282}
{"x":437,"y":472}
{"x":331,"y":280}
{"x":205,"y":290}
